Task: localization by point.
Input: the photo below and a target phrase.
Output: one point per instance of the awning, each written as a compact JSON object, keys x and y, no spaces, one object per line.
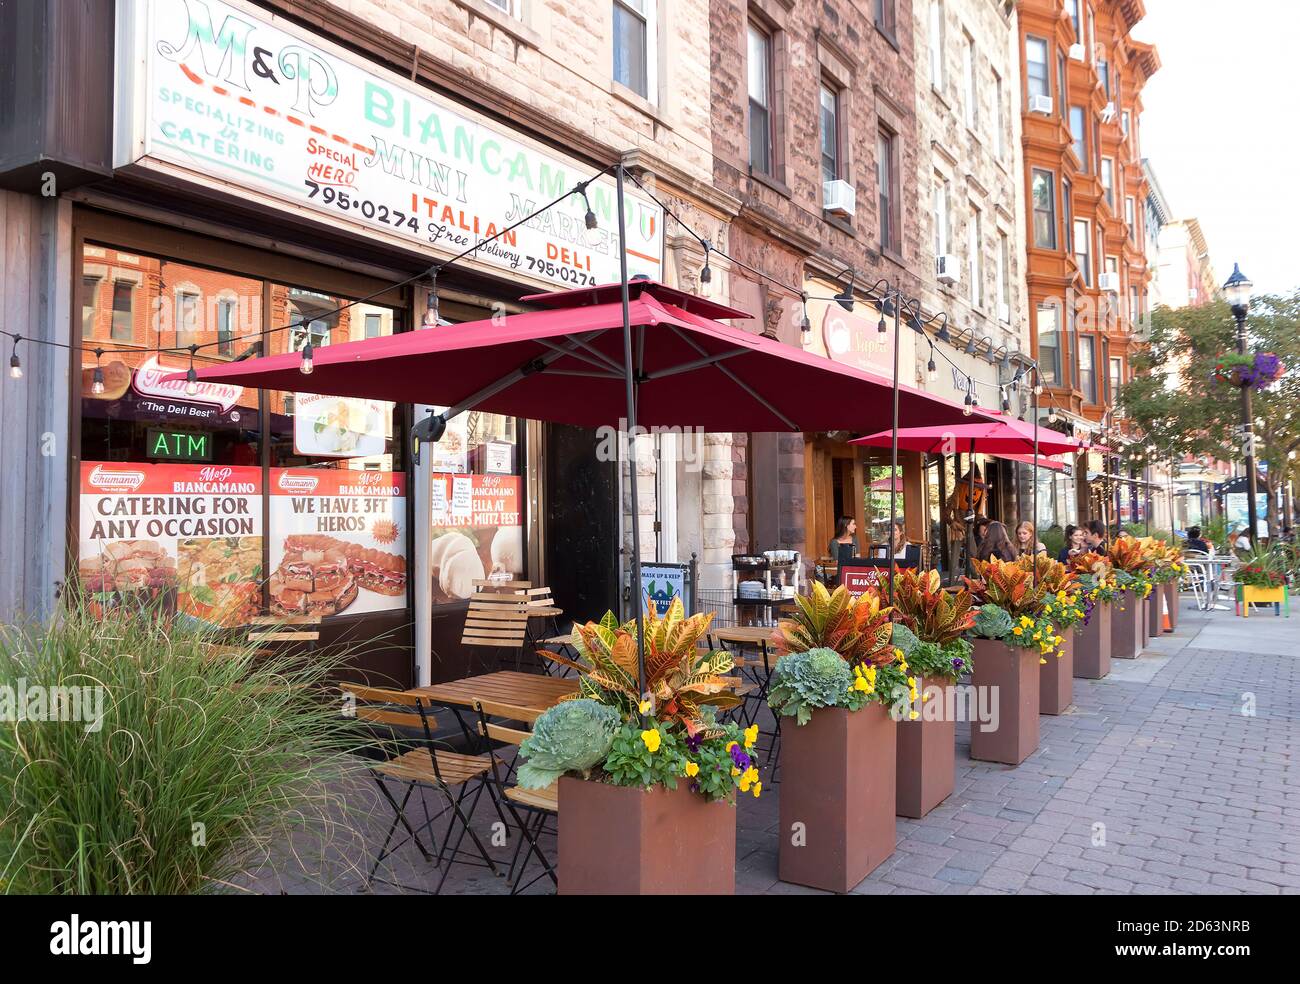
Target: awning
{"x":566,"y":365}
{"x":1051,"y":464}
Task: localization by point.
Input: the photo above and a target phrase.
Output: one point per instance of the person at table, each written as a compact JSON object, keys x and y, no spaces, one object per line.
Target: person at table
{"x":1095,"y":537}
{"x":904,"y":552}
{"x":997,"y":543}
{"x":1074,"y":544}
{"x":1025,"y":535}
{"x":1194,"y":541}
{"x":845,"y":545}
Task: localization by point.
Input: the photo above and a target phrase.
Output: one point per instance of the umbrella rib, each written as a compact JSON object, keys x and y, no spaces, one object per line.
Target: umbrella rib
{"x":726,"y":371}
{"x":696,"y":364}
{"x":492,"y":389}
{"x":595,"y":358}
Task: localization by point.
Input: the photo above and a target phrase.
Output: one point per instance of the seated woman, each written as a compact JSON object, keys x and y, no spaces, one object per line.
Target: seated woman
{"x":997,"y":543}
{"x":1074,"y":544}
{"x":1025,"y":535}
{"x":844,"y":547}
{"x":904,"y":552}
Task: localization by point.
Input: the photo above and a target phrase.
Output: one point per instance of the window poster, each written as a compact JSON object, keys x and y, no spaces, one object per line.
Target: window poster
{"x":339,"y":426}
{"x":184,"y":537}
{"x":337,"y":543}
{"x":477,"y":532}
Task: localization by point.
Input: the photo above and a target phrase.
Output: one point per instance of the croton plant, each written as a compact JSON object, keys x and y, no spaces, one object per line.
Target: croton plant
{"x":937,"y":620}
{"x":836,"y":650}
{"x":1062,"y":593}
{"x":1012,"y":607}
{"x":1131,"y":561}
{"x":666,"y":734}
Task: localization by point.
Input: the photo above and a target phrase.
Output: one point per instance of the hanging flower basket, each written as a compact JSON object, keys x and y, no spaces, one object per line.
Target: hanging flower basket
{"x":1259,"y":370}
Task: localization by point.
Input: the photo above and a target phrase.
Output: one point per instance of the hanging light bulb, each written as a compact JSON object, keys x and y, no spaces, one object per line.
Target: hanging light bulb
{"x":191,"y":382}
{"x":306,"y":367}
{"x":881,"y":327}
{"x":706,"y":274}
{"x":969,"y":402}
{"x":805,"y":325}
{"x":430,"y":319}
{"x":15,"y":365}
{"x":931,"y":372}
{"x":1038,"y":390}
{"x":97,"y":377}
{"x":1051,"y":415}
{"x":1006,"y":402}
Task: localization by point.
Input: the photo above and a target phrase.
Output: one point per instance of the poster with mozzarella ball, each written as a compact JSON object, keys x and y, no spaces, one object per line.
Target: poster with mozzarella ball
{"x":338,"y":541}
{"x":477,"y":532}
{"x":176,"y":538}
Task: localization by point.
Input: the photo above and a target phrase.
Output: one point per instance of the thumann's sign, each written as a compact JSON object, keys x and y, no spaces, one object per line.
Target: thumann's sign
{"x":231,"y":97}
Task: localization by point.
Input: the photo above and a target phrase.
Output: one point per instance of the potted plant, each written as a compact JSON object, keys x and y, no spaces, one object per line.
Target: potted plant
{"x":1132,"y":586}
{"x":1092,"y":642}
{"x":1012,"y":638}
{"x":1260,"y":581}
{"x":1063,"y":607}
{"x":651,"y":811}
{"x":1257,"y":369}
{"x":930,"y":632}
{"x":837,"y":674}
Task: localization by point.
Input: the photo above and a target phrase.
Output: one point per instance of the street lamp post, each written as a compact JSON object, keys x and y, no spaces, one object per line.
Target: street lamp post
{"x":1237,"y":293}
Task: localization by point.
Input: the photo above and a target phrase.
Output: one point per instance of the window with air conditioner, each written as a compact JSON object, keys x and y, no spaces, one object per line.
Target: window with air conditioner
{"x":1037,"y":75}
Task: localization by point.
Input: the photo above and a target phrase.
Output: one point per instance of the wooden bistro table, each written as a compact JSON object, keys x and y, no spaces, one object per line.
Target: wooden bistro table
{"x":535,"y":691}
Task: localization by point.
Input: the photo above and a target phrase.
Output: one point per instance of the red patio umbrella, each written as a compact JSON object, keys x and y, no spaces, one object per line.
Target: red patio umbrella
{"x":635,"y":351}
{"x":997,"y":436}
{"x":566,"y":365}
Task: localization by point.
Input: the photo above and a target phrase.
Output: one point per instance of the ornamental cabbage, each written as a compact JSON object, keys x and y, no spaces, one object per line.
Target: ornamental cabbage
{"x":992,"y":622}
{"x":904,"y":639}
{"x":572,"y":736}
{"x":803,"y":682}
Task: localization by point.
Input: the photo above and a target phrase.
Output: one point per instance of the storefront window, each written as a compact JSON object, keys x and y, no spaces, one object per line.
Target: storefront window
{"x":185,"y":500}
{"x":882,"y":478}
{"x":171,"y":482}
{"x":476,"y":504}
{"x":337,"y":485}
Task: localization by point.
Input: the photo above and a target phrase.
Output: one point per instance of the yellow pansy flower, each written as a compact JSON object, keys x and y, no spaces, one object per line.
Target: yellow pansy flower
{"x":692,"y":769}
{"x":1018,"y":630}
{"x":751,"y":735}
{"x":652,"y":738}
{"x":1042,"y":662}
{"x":758,"y":789}
{"x":735,"y":771}
{"x":913,"y":716}
{"x":644,"y":707}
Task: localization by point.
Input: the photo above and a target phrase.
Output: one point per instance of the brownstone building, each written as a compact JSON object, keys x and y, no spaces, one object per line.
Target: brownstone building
{"x":814,"y":136}
{"x":1082,"y":76}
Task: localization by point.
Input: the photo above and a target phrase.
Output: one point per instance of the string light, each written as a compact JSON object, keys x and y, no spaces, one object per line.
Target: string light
{"x":706,"y":274}
{"x":306,"y":367}
{"x":430,"y":319}
{"x":881,"y":327}
{"x":192,"y":377}
{"x":931,"y":372}
{"x":97,"y":377}
{"x":1006,"y":402}
{"x":805,"y":325}
{"x":15,"y":365}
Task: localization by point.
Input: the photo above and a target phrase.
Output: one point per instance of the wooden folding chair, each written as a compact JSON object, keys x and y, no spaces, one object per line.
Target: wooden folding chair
{"x":497,"y":617}
{"x":434,"y":766}
{"x":538,"y":805}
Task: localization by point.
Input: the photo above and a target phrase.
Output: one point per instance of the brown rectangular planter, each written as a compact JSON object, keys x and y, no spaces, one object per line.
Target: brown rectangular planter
{"x":1144,"y":622}
{"x":927,"y":753}
{"x":1155,"y":609}
{"x":1092,"y":644}
{"x":1171,"y":599}
{"x":837,"y":796}
{"x":1056,"y":679}
{"x":1012,"y":676}
{"x":1125,"y":626}
{"x":619,"y":840}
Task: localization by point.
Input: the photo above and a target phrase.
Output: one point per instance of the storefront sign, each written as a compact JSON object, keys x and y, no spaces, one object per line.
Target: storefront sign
{"x":337,"y":544}
{"x":150,"y":380}
{"x":661,"y":583}
{"x":339,"y":426}
{"x":851,"y":337}
{"x":186,"y":538}
{"x":477,"y":532}
{"x":861,"y":577}
{"x":178,"y":445}
{"x":220,"y":92}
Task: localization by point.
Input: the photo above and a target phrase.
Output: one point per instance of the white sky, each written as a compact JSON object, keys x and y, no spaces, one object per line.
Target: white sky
{"x":1221,"y":127}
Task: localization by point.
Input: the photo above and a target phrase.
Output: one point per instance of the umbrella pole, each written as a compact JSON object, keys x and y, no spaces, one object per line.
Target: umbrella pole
{"x":1033,"y":516}
{"x":628,"y":375}
{"x":893,"y":457}
{"x":970,"y":525}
